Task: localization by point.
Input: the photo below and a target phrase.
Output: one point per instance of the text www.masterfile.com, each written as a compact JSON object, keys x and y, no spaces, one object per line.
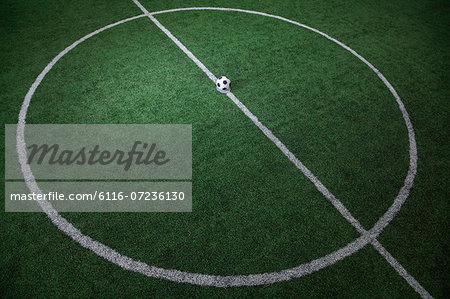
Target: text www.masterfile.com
{"x":101,"y":195}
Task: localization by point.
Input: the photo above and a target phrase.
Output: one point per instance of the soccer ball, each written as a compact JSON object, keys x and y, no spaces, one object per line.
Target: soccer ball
{"x":223,"y":84}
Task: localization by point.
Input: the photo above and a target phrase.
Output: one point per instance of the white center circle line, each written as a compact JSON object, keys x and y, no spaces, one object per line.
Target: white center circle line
{"x":203,"y":279}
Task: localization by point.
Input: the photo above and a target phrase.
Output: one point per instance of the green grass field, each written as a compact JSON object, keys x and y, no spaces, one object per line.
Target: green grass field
{"x":253,"y":210}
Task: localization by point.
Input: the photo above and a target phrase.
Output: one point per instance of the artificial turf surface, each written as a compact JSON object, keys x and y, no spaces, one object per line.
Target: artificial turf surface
{"x":253,"y":211}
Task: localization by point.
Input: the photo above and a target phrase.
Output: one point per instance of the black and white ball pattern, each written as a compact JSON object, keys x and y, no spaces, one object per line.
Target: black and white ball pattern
{"x":223,"y":84}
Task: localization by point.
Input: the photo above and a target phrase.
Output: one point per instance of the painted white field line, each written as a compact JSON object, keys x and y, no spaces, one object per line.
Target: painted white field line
{"x":336,"y":202}
{"x":177,"y":42}
{"x":176,"y":275}
{"x":127,"y":263}
{"x":400,"y":270}
{"x":412,"y":170}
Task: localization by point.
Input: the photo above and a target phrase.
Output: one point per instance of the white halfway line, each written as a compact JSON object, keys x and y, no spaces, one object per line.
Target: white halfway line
{"x":336,"y":202}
